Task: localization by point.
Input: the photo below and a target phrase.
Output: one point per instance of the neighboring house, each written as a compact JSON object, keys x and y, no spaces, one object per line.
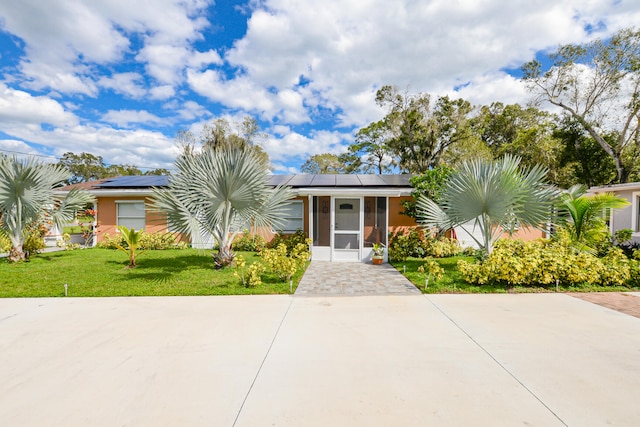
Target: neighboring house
{"x":343,"y":215}
{"x":628,"y":217}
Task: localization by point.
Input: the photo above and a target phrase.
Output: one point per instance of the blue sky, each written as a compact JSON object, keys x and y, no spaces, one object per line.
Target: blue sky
{"x":119,"y":79}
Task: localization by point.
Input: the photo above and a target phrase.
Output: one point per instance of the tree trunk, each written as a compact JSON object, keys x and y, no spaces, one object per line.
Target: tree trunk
{"x":17,"y":254}
{"x":224,"y":257}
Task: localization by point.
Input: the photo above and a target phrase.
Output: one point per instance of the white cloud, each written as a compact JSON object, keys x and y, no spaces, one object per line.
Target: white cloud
{"x":124,"y":118}
{"x":19,"y":108}
{"x":63,"y":36}
{"x":162,"y":92}
{"x":128,"y":84}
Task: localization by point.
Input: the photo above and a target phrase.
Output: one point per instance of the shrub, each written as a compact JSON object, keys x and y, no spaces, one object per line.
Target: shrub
{"x":250,"y":276}
{"x":289,"y":240}
{"x":249,"y":242}
{"x":403,"y":246}
{"x":5,"y":243}
{"x":415,"y":244}
{"x":147,"y":241}
{"x":542,"y":262}
{"x":285,"y":265}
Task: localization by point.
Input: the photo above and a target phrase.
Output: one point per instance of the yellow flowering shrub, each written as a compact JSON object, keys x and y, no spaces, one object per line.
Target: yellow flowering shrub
{"x":542,"y":262}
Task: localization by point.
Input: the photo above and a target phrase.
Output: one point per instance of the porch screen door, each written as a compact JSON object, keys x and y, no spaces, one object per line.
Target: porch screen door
{"x":346,"y":229}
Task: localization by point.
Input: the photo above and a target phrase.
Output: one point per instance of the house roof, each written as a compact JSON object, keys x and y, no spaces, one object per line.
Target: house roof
{"x":615,"y":187}
{"x":294,"y":181}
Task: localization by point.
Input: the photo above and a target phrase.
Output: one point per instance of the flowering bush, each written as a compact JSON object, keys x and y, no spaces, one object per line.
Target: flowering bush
{"x":542,"y":262}
{"x":285,"y":265}
{"x":250,"y":276}
{"x":415,"y":244}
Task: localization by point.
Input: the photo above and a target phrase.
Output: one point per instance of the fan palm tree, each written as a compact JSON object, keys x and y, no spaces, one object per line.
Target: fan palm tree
{"x":27,"y":196}
{"x":584,"y":216}
{"x":217,"y":191}
{"x":498,"y":196}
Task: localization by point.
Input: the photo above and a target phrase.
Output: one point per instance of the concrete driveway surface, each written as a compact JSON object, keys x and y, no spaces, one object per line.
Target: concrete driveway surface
{"x":437,"y":360}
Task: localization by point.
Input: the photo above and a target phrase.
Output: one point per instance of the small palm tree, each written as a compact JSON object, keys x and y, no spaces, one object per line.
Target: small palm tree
{"x":131,"y":239}
{"x":27,"y":195}
{"x":216,"y":192}
{"x":583,"y":217}
{"x":498,"y":196}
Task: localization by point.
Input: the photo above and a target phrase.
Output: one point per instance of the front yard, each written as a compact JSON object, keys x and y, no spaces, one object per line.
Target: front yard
{"x":103,"y":272}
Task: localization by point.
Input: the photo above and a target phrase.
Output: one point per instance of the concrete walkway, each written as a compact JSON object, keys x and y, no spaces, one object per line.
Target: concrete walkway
{"x":353,"y":278}
{"x":437,"y":360}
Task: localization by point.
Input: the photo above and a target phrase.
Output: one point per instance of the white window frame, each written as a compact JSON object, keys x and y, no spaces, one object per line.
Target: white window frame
{"x":131,"y":202}
{"x":301,"y":218}
{"x":635,"y":211}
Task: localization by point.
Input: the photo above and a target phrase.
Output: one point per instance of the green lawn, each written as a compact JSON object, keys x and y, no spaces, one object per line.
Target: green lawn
{"x":104,"y":272}
{"x":452,"y":282}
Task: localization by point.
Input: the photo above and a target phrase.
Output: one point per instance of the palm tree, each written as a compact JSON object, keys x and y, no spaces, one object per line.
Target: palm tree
{"x":583,"y":217}
{"x":498,"y":196}
{"x":216,"y":192}
{"x":27,"y":196}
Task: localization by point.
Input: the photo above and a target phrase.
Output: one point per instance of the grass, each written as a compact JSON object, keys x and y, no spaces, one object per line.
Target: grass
{"x":452,"y":282}
{"x":103,"y":272}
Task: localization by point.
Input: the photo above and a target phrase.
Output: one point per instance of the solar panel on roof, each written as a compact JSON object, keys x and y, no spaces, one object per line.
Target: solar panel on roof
{"x":371,"y":180}
{"x":397,"y":180}
{"x":347,"y":181}
{"x":323,"y":180}
{"x":136,"y":181}
{"x":279,"y":179}
{"x":300,"y":180}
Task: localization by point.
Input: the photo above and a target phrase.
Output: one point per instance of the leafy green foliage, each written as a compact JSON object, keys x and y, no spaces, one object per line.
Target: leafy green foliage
{"x":284,"y":263}
{"x":416,"y":245}
{"x":131,"y":245}
{"x":583,"y":217}
{"x":289,"y":240}
{"x":147,"y":241}
{"x":428,"y":184}
{"x":543,"y":262}
{"x":248,"y":241}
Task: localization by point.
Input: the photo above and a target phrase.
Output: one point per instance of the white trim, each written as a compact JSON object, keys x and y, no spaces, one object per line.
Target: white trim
{"x":634,"y":213}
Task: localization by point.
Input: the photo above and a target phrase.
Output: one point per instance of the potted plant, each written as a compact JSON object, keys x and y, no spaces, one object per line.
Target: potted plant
{"x":378,"y":253}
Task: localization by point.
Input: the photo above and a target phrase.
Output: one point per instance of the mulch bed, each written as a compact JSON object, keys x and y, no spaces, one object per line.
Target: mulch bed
{"x":619,"y":301}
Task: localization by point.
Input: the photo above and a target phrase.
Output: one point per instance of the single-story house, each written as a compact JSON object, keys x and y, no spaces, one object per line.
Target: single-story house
{"x":343,"y":215}
{"x":628,"y":217}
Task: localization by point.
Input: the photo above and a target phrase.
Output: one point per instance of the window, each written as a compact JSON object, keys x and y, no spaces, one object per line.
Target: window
{"x":130,"y":213}
{"x":293,"y":217}
{"x":636,"y":212}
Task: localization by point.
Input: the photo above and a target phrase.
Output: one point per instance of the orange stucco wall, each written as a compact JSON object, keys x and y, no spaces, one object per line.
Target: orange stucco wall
{"x":398,"y":221}
{"x":106,"y":217}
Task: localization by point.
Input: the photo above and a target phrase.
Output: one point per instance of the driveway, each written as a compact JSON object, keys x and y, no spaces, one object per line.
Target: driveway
{"x":411,"y":360}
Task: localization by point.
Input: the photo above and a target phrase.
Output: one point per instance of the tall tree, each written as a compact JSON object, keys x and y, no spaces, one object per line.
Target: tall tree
{"x":83,"y":167}
{"x":497,"y":196}
{"x":217,"y":191}
{"x":324,"y":163}
{"x":222,"y":133}
{"x":27,"y":196}
{"x":372,"y":150}
{"x":420,"y":132}
{"x":598,"y":85}
{"x":524,"y":132}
